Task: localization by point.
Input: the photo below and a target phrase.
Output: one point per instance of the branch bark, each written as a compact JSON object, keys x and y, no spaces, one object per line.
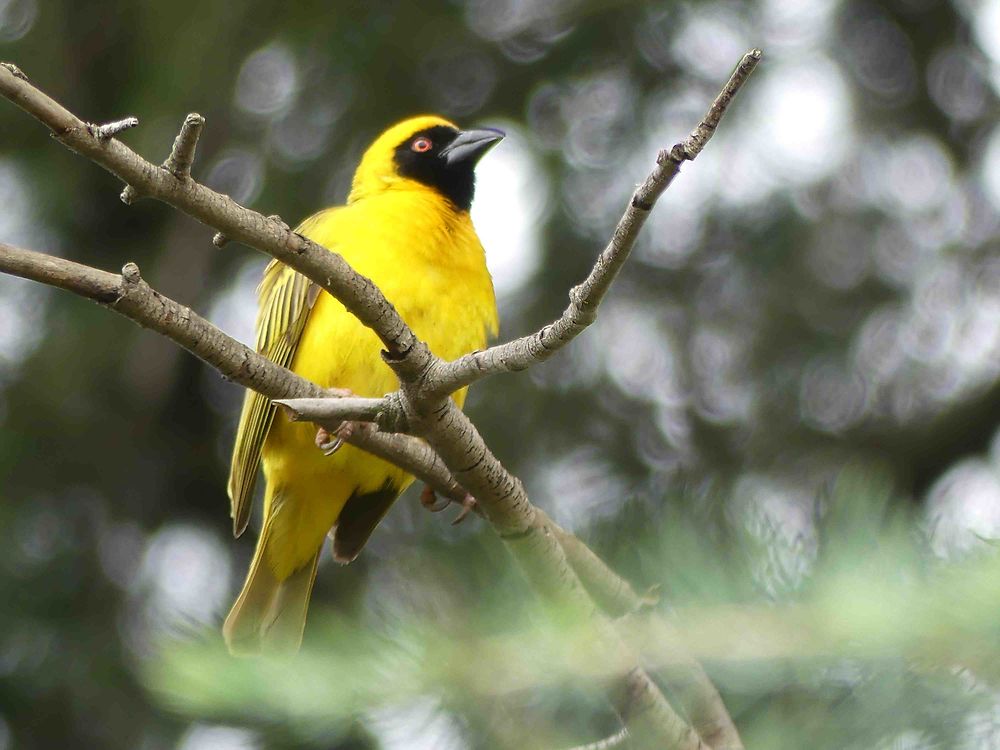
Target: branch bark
{"x":136,"y":300}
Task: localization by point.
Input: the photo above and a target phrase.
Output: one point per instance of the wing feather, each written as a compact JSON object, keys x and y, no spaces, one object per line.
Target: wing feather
{"x":286,"y":297}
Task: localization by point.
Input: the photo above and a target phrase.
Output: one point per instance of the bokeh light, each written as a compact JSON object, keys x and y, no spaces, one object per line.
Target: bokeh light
{"x":511,"y":202}
{"x":268,"y":82}
{"x":208,"y":737}
{"x":184,"y":576}
{"x":238,"y":173}
{"x":16,"y":18}
{"x":803,"y":119}
{"x":419,"y":726}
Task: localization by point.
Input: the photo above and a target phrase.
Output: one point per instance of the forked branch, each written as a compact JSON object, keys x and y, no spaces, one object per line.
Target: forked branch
{"x":359,"y":295}
{"x":129,"y":295}
{"x":421,"y":406}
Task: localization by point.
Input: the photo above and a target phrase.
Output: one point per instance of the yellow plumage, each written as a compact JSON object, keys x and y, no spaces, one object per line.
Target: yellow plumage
{"x":401,"y":229}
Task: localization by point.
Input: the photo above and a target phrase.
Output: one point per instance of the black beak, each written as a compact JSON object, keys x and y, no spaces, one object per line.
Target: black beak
{"x":470,"y":146}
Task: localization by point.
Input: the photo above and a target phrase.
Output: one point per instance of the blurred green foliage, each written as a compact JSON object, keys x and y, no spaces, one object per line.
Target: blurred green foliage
{"x":783,"y":418}
{"x":880,"y":643}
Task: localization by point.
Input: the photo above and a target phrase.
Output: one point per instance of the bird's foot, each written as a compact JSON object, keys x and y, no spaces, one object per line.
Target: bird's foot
{"x":430,"y":500}
{"x":330,"y":442}
{"x":468,"y":505}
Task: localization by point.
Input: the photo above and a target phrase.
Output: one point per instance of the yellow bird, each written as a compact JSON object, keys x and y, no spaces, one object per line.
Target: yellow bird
{"x":406,"y":226}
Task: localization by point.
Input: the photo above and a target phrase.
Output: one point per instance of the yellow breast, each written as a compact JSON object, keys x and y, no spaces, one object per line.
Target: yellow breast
{"x":427,"y":260}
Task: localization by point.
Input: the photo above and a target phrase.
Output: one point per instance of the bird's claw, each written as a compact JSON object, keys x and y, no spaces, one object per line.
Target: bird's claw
{"x":330,"y":442}
{"x":468,"y":505}
{"x":430,"y":500}
{"x":331,"y":447}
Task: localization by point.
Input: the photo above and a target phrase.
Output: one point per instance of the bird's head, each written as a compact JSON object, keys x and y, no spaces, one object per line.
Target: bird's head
{"x":429,"y":152}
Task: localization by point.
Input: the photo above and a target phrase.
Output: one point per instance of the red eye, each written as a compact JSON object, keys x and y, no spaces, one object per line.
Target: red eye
{"x":422,"y":145}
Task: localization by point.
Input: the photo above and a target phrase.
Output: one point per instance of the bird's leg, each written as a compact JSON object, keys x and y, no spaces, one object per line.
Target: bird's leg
{"x":330,"y":442}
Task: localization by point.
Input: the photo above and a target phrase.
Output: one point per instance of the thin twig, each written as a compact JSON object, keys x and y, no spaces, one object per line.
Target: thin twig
{"x":130,"y":296}
{"x":330,"y":412}
{"x":129,"y":195}
{"x":181,"y":157}
{"x":16,"y":71}
{"x":685,"y":676}
{"x":328,"y":269}
{"x":111,"y":129}
{"x":706,"y":128}
{"x":182,"y":154}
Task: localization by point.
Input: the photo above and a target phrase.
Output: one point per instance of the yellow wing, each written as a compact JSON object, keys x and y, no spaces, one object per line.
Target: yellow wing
{"x":286,"y":297}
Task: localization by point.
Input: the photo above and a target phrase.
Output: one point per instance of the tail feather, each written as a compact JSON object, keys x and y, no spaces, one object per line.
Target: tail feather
{"x":286,"y":619}
{"x":358,"y":518}
{"x":270,"y":614}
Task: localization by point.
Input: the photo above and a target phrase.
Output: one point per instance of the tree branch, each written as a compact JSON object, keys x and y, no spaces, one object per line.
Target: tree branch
{"x":182,"y":154}
{"x":541,"y":549}
{"x":111,"y":129}
{"x":329,"y":412}
{"x":701,"y":135}
{"x":389,"y":413}
{"x":425,"y":383}
{"x":358,"y":294}
{"x":521,"y":353}
{"x":637,"y":697}
{"x":613,"y":594}
{"x":616,"y":740}
{"x":132,"y":297}
{"x":687,"y":679}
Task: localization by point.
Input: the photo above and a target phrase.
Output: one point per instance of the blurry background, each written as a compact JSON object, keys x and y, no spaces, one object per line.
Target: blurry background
{"x":791,"y":396}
